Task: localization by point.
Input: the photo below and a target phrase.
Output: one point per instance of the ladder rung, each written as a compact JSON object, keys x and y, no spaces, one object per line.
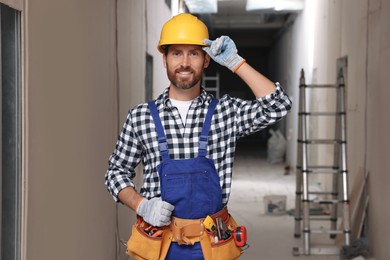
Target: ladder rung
{"x":321,"y":113}
{"x":322,"y":141}
{"x":326,"y":231}
{"x":320,"y":169}
{"x":322,"y":201}
{"x":320,"y":218}
{"x":324,"y":171}
{"x":320,"y":193}
{"x":210,"y":77}
{"x":323,"y":167}
{"x":319,"y":86}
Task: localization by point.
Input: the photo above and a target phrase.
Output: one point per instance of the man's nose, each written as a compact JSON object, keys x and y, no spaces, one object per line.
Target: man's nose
{"x":185,"y":61}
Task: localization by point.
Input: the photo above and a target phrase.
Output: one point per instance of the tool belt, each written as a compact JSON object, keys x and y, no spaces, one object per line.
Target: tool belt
{"x":142,"y":245}
{"x":190,"y":231}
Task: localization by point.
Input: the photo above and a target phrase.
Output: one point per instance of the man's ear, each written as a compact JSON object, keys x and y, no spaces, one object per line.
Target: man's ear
{"x":165,"y":60}
{"x":206,"y":62}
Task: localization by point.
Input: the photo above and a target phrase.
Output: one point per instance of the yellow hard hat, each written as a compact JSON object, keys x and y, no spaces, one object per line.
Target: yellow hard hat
{"x":183,"y":29}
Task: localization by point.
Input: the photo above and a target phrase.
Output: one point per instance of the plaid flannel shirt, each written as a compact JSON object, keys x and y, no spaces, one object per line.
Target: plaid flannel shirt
{"x":233,"y":118}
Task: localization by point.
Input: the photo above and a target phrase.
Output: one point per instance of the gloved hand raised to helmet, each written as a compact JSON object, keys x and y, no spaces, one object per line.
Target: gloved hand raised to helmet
{"x":155,"y":211}
{"x":223,"y":51}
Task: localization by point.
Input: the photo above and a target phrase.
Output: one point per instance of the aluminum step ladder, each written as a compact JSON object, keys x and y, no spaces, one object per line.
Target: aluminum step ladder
{"x":211,"y":84}
{"x":306,"y":197}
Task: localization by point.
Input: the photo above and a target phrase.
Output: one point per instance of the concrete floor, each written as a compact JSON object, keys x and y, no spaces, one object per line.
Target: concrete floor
{"x":271,"y":237}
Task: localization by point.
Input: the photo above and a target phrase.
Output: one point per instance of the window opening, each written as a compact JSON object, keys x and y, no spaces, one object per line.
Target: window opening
{"x":10,"y":130}
{"x":149,"y":77}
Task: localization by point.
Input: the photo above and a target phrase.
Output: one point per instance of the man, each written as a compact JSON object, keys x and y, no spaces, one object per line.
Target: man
{"x":186,"y":141}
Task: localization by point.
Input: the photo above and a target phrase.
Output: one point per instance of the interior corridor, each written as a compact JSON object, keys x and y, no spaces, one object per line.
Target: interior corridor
{"x":72,"y":69}
{"x":271,"y":237}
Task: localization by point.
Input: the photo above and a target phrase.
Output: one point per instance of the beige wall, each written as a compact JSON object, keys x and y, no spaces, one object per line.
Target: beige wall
{"x":328,"y":30}
{"x":74,"y":111}
{"x":70,"y":128}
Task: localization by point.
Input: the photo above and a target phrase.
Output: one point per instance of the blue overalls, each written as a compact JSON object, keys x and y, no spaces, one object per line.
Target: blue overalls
{"x":191,"y":185}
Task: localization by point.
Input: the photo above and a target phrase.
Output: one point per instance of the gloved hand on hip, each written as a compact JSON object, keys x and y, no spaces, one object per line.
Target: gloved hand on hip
{"x":155,"y":211}
{"x":223,"y":51}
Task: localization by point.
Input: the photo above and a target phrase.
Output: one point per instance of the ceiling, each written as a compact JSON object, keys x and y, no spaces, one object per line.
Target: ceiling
{"x":248,"y":29}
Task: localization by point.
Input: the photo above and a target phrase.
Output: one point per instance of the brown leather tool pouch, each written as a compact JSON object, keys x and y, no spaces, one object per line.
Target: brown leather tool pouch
{"x":223,"y":249}
{"x":143,"y":246}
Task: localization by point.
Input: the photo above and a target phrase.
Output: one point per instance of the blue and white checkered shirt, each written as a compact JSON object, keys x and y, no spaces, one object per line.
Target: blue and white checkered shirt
{"x":233,"y":118}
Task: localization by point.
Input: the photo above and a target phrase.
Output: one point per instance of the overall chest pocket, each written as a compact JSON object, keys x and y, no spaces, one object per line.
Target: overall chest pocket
{"x":190,"y":192}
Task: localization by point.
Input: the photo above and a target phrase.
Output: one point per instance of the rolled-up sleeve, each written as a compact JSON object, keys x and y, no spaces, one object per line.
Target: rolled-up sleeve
{"x":277,"y":104}
{"x":124,"y":159}
{"x":253,"y":115}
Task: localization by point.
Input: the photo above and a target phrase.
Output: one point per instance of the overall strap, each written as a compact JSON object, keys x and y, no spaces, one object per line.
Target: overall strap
{"x":162,"y":140}
{"x":203,"y":140}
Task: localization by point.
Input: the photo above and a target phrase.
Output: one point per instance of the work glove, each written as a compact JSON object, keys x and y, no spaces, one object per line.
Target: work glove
{"x":223,"y":51}
{"x":155,"y":211}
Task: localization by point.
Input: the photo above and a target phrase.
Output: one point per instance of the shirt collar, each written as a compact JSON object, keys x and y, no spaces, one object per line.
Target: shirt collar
{"x":204,"y":96}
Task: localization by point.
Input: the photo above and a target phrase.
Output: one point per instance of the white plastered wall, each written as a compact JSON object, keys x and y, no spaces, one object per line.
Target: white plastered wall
{"x":378,"y":126}
{"x":325,"y":31}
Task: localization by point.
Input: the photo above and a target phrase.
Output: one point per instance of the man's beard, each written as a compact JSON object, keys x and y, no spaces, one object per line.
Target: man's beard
{"x":184,"y":84}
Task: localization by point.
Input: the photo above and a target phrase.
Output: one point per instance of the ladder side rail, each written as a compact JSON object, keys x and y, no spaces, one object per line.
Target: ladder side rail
{"x":344,"y":171}
{"x":217,"y":85}
{"x":336,"y":161}
{"x":321,"y":86}
{"x":305,"y":193}
{"x":298,"y":193}
{"x":298,"y":189}
{"x":305,"y":177}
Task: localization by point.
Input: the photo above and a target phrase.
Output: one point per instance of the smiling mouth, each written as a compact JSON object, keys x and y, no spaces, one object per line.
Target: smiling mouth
{"x":184,"y":72}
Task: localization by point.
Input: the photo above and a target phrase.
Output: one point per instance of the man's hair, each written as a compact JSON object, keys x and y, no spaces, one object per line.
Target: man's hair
{"x":165,"y":48}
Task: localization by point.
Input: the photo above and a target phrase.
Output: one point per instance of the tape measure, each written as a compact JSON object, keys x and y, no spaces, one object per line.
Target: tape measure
{"x":209,"y":224}
{"x":240,"y":236}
